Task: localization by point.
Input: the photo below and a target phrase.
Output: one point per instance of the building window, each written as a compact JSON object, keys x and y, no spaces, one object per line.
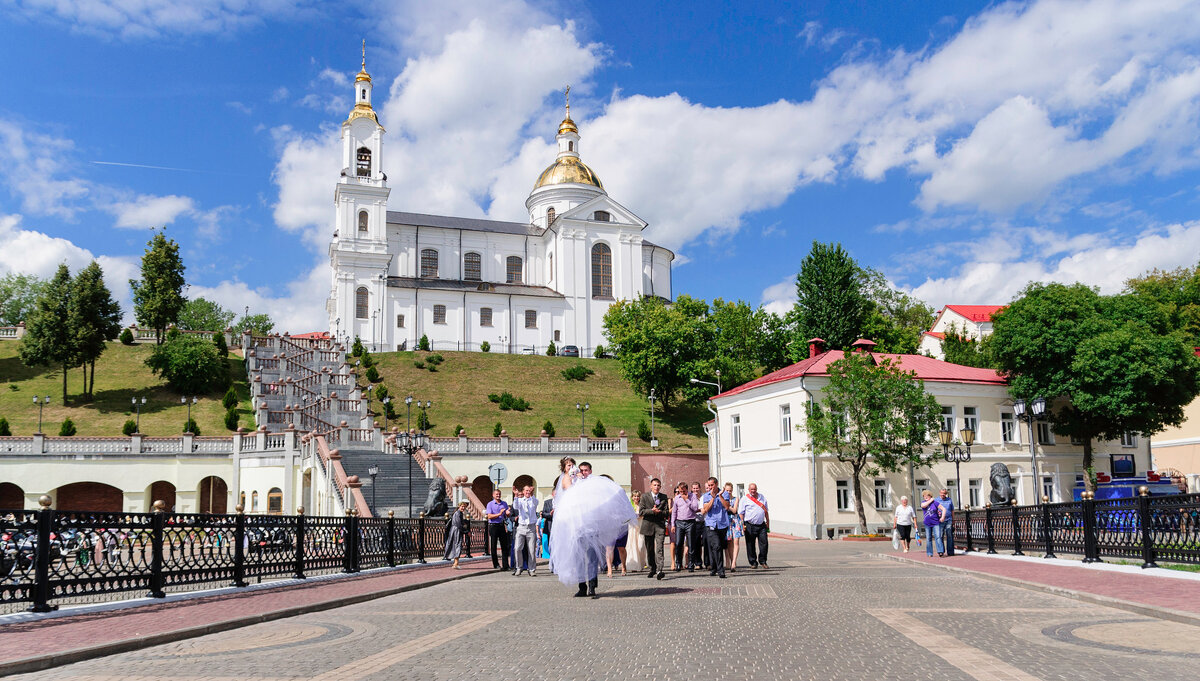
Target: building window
{"x":254,"y":501}
{"x":1045,"y":436}
{"x":513,"y":267}
{"x":601,"y":216}
{"x":439,"y":314}
{"x":1048,"y":487}
{"x":472,"y":267}
{"x":974,"y":489}
{"x":550,"y":216}
{"x":1129,"y":439}
{"x":1009,"y":432}
{"x":570,"y":146}
{"x":400,"y":321}
{"x":971,"y":420}
{"x":275,"y":501}
{"x":364,"y":162}
{"x":485,"y":316}
{"x":948,"y":419}
{"x":843,"y":495}
{"x":882,"y":498}
{"x":601,"y":271}
{"x":736,"y":420}
{"x":429,"y":263}
{"x":360,"y":302}
{"x":242,"y":499}
{"x":785,"y":423}
{"x":362,"y":220}
{"x":922,"y":485}
{"x":531,"y":319}
{"x":557,"y":336}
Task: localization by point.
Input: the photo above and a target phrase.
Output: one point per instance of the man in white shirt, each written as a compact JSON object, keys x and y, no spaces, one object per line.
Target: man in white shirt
{"x":526,"y":507}
{"x":757,"y":521}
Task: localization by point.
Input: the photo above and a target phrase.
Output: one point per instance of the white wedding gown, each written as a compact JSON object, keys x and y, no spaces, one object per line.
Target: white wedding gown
{"x":588,"y":516}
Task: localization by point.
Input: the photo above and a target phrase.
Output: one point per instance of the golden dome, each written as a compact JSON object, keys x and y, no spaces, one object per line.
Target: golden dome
{"x":567,"y":125}
{"x":362,"y":75}
{"x":568,"y":170}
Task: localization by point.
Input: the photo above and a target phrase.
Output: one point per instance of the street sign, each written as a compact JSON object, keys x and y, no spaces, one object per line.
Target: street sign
{"x":498,"y":472}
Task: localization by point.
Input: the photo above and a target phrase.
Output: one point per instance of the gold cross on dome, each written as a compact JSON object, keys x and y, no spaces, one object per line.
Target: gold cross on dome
{"x":567,"y":94}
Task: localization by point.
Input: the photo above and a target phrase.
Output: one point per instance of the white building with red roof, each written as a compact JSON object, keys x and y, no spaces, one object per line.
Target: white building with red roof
{"x":759,"y":436}
{"x":971,"y":321}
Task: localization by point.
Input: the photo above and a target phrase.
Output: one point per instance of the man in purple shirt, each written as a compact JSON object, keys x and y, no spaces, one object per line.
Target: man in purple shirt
{"x":497,"y":512}
{"x":683,"y":521}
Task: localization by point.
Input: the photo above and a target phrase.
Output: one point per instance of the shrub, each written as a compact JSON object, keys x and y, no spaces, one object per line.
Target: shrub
{"x":231,"y":399}
{"x":643,"y":431}
{"x":485,"y":347}
{"x":423,"y":421}
{"x":419,"y":364}
{"x":381,"y":392}
{"x":367,"y":360}
{"x":190,"y":365}
{"x":551,"y":350}
{"x":173,"y":333}
{"x":497,"y":429}
{"x":373,"y":374}
{"x":67,"y":429}
{"x":598,"y":429}
{"x":577,"y":373}
{"x":432,"y":367}
{"x":599,"y":351}
{"x":390,"y":408}
{"x":219,"y":342}
{"x":457,"y":429}
{"x":231,"y":418}
{"x":129,"y":428}
{"x":435,"y":358}
{"x":191,"y":427}
{"x":549,"y":428}
{"x":126,"y":337}
{"x":423,"y":344}
{"x":493,"y":397}
{"x":5,"y":431}
{"x":357,"y":349}
{"x":507,"y":402}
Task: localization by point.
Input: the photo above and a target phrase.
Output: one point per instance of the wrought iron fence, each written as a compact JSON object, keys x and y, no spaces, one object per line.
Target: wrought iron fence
{"x":49,"y":556}
{"x":1145,"y":528}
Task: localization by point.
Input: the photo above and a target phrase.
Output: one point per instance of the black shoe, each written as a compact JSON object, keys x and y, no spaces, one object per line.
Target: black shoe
{"x":678,"y":569}
{"x":582,"y":592}
{"x":651,"y":575}
{"x":661,"y":574}
{"x":691,"y":568}
{"x":721,"y":575}
{"x":713,"y":573}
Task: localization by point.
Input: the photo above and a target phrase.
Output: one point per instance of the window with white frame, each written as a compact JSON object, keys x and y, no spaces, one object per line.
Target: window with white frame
{"x":922,"y":485}
{"x":948,"y":419}
{"x":602,"y":279}
{"x":1048,"y":487}
{"x":1045,"y":436}
{"x":1129,"y":439}
{"x":400,"y":321}
{"x":439,"y":314}
{"x":882,"y":498}
{"x":974,"y":492}
{"x":1009,"y":432}
{"x":843,"y":495}
{"x":736,"y":421}
{"x":971,"y":420}
{"x":531,"y":319}
{"x":485,"y":316}
{"x":785,"y":423}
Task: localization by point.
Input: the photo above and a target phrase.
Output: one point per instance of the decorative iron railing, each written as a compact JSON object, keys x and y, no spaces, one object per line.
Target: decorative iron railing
{"x":1146,"y":528}
{"x":49,"y":556}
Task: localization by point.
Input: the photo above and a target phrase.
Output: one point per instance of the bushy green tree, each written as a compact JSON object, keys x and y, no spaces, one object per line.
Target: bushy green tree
{"x":372,"y":374}
{"x":219,"y":343}
{"x":201,"y":314}
{"x":1176,"y":295}
{"x":598,"y":429}
{"x":231,"y":418}
{"x":423,"y":422}
{"x":656,"y":344}
{"x":643,"y":431}
{"x":49,"y":339}
{"x":830,"y":299}
{"x":126,"y":337}
{"x":129,"y":428}
{"x":423,"y":343}
{"x":190,"y":365}
{"x":191,"y":427}
{"x":496,"y":429}
{"x":895,"y":320}
{"x":485,"y":347}
{"x":357,"y":349}
{"x":458,"y":429}
{"x":5,"y":430}
{"x":230,"y":400}
{"x":95,"y":318}
{"x":19,"y":295}
{"x":549,"y":428}
{"x":551,"y":350}
{"x":259,"y":324}
{"x":958,"y":348}
{"x":158,"y":295}
{"x":67,"y":429}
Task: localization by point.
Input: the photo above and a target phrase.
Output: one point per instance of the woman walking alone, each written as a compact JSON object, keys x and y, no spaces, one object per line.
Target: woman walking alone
{"x":454,"y":535}
{"x":902,"y":522}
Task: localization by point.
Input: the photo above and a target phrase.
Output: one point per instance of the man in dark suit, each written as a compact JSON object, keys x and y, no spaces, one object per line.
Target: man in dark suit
{"x":652,"y":509}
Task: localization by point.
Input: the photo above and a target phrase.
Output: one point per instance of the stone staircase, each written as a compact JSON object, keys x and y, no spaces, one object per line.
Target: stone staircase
{"x":391,"y":491}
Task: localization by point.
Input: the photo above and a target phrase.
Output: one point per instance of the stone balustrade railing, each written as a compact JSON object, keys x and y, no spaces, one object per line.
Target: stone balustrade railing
{"x":182,"y":445}
{"x":522,"y":445}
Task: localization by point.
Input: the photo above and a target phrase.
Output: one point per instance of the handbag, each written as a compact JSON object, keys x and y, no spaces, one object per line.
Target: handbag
{"x":895,"y":539}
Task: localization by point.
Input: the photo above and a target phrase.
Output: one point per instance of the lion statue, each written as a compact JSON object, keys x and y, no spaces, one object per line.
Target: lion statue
{"x":435,"y":503}
{"x":1002,"y":490}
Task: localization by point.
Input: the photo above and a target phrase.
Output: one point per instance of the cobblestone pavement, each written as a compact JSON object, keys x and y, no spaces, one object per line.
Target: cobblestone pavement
{"x":826,"y":610}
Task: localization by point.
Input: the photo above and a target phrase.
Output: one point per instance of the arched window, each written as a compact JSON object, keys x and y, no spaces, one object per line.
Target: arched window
{"x":254,"y":501}
{"x":601,"y":271}
{"x":364,"y":162}
{"x":360,"y":302}
{"x":601,"y":216}
{"x":364,"y":94}
{"x":275,"y":501}
{"x":485,"y":316}
{"x":429,"y":263}
{"x":362,"y":220}
{"x":570,"y":146}
{"x":550,"y":216}
{"x":512,"y":269}
{"x":472,"y":267}
{"x":242,"y":500}
{"x":439,"y":314}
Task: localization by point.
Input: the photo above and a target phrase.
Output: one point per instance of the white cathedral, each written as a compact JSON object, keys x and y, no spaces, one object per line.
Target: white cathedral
{"x":517,"y":286}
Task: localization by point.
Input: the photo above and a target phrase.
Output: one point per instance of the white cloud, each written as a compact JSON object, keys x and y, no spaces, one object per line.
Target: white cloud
{"x":335,"y":77}
{"x":779,"y":298}
{"x":300,"y":309}
{"x":146,"y":212}
{"x":159,"y":18}
{"x":33,"y":167}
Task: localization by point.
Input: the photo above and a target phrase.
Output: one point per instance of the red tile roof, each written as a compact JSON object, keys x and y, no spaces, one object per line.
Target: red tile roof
{"x":936,"y":334}
{"x":312,"y":335}
{"x":926,"y":368}
{"x":977,"y":313}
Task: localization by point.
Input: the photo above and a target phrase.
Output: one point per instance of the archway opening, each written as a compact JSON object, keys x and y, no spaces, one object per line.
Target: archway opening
{"x":12,"y":498}
{"x":213,"y":495}
{"x":88,"y":496}
{"x":160,"y":490}
{"x":522,"y":480}
{"x":482,"y":487}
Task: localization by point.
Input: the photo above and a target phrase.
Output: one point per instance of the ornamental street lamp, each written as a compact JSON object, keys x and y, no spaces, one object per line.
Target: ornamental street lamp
{"x":408,"y":408}
{"x":373,"y":471}
{"x":653,"y":440}
{"x":386,"y":401}
{"x":957,"y":455}
{"x":189,"y":402}
{"x":137,"y":405}
{"x":1030,"y":412}
{"x":41,"y":403}
{"x":582,"y":416}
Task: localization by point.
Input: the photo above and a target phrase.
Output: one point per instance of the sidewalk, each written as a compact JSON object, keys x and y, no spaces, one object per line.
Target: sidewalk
{"x":1158,"y":592}
{"x":33,"y":642}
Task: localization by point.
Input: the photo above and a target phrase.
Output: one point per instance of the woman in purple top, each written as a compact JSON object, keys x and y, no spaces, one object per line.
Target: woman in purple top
{"x":934,"y":515}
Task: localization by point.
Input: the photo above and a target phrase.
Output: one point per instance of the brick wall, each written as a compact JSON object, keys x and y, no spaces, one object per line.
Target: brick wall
{"x":670,"y":468}
{"x":11,"y":496}
{"x":88,"y":496}
{"x":164,"y":491}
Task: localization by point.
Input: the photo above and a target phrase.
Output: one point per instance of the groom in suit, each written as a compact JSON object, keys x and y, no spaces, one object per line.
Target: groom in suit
{"x":652,"y":509}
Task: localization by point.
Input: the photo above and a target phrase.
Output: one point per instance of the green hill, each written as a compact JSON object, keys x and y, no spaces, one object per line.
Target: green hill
{"x":460,"y":387}
{"x":121,"y":374}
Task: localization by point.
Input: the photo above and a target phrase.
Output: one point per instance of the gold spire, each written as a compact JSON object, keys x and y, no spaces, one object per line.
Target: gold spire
{"x":567,"y":125}
{"x":362,"y":74}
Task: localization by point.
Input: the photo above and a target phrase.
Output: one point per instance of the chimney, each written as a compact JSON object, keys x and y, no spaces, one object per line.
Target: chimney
{"x":863,"y":345}
{"x":816,"y":346}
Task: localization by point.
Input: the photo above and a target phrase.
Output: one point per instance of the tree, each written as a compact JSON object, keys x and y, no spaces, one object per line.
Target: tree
{"x":497,"y":429}
{"x":1176,"y":294}
{"x":19,"y":295}
{"x":230,"y":400}
{"x":548,"y":428}
{"x":598,"y":429}
{"x":231,"y":418}
{"x":158,"y":295}
{"x":201,"y":314}
{"x":875,"y":417}
{"x":129,"y":428}
{"x":1108,"y":365}
{"x":895,"y":320}
{"x":958,"y":348}
{"x":259,"y":324}
{"x":95,"y":318}
{"x":219,"y":343}
{"x":658,"y":346}
{"x":49,"y":339}
{"x":357,"y":349}
{"x":126,"y":337}
{"x":190,"y":365}
{"x":67,"y":429}
{"x":773,"y":350}
{"x":5,"y":430}
{"x":830,"y":301}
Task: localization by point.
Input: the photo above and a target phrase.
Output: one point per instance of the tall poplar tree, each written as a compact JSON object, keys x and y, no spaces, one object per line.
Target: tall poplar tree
{"x":95,"y":319}
{"x":830,"y":301}
{"x":158,"y":296}
{"x":49,"y":340}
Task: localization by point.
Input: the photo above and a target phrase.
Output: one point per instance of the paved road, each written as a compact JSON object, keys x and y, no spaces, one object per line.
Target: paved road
{"x":826,"y":611}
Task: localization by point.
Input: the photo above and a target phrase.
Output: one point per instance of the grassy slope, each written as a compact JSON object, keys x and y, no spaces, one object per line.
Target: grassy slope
{"x":460,"y":387}
{"x":121,"y":374}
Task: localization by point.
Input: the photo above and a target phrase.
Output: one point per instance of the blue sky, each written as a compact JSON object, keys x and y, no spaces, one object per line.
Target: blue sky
{"x":962,"y":148}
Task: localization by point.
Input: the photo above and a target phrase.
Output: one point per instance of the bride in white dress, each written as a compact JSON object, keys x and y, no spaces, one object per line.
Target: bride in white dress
{"x":590,"y":512}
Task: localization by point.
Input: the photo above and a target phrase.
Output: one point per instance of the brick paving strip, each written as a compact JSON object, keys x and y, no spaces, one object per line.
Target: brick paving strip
{"x":1170,"y":598}
{"x":67,"y":638}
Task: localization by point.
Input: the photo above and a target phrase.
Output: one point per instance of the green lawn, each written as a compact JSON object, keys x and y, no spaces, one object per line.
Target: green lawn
{"x":460,"y":387}
{"x":121,"y":374}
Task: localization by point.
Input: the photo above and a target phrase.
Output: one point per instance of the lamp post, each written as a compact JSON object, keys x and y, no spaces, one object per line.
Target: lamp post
{"x":1030,"y":412}
{"x":189,"y":403}
{"x":582,"y":417}
{"x":386,"y":401}
{"x":653,"y":440}
{"x":408,"y":408}
{"x":423,"y":422}
{"x":374,"y":348}
{"x":41,"y":402}
{"x":373,"y":471}
{"x":337,"y":330}
{"x":957,"y":455}
{"x":137,"y":405}
{"x":717,"y":385}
